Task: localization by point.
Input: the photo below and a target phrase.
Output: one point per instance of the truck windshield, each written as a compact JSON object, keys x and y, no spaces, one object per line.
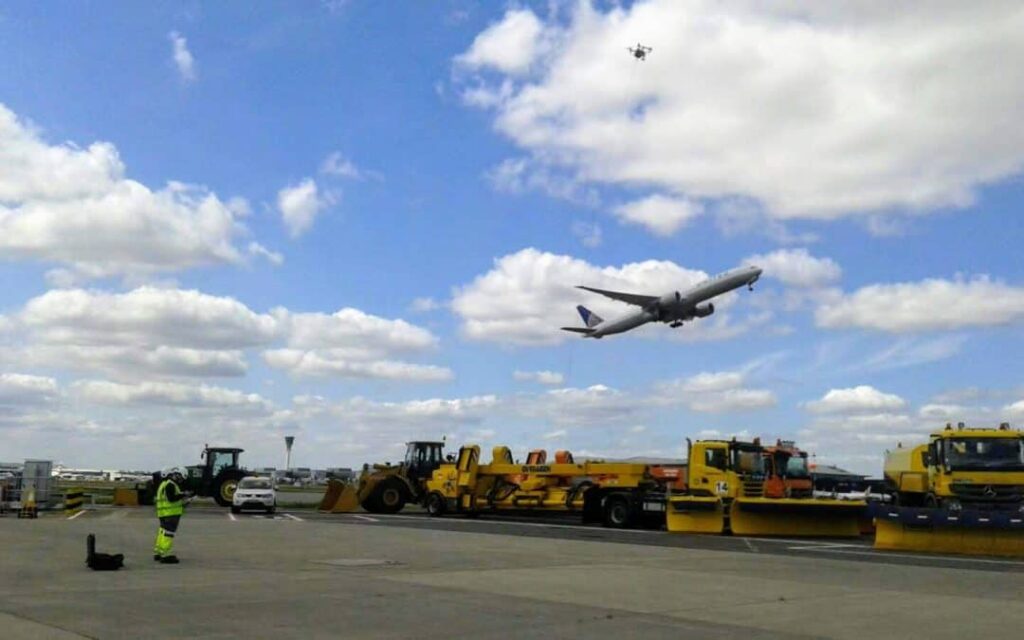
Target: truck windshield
{"x":985,"y":453}
{"x":796,"y":467}
{"x":748,"y":461}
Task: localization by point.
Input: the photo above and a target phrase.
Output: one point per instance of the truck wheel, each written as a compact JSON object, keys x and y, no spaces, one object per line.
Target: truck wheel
{"x":224,"y":493}
{"x":436,"y":505}
{"x":390,"y":496}
{"x":617,"y":512}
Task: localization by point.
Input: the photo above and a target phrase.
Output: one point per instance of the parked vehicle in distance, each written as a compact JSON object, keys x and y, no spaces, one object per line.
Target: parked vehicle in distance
{"x":254,"y":493}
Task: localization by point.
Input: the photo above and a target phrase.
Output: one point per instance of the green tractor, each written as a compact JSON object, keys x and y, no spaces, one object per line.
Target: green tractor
{"x":217,"y":477}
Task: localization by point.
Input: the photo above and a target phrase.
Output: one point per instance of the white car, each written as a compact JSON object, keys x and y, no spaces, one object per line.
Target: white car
{"x":254,"y":493}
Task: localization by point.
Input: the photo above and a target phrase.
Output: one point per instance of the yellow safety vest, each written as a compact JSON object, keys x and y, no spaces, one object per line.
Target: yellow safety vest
{"x":164,"y":507}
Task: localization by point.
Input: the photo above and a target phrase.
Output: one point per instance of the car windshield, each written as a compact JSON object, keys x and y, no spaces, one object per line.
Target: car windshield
{"x":985,"y":453}
{"x":254,"y":483}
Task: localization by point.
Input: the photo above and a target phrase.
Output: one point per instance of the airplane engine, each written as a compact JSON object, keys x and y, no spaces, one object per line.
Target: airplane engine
{"x":661,"y":310}
{"x":669,"y":300}
{"x":703,"y":310}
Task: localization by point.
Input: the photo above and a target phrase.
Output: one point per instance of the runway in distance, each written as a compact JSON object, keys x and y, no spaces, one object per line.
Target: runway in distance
{"x":673,"y":308}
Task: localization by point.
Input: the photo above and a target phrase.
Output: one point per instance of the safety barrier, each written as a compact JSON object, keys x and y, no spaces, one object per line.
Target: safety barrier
{"x":125,"y":497}
{"x":73,"y":500}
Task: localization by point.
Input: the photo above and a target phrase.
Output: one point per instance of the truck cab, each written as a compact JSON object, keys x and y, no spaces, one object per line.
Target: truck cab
{"x":961,"y":467}
{"x":725,"y":468}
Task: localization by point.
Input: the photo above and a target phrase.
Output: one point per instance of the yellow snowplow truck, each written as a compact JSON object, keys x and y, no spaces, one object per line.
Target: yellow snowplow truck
{"x":725,"y":493}
{"x":962,"y":492}
{"x":387,"y":488}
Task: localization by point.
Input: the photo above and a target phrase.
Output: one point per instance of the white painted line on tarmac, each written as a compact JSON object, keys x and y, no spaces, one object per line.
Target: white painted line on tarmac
{"x":76,"y":515}
{"x":750,"y":545}
{"x":815,"y":546}
{"x":888,"y":554}
{"x":295,"y":518}
{"x":366,"y":518}
{"x":543,"y":525}
{"x":232,"y":516}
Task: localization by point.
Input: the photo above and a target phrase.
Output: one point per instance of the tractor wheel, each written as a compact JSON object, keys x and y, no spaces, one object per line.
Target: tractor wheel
{"x":224,"y":492}
{"x":617,"y":512}
{"x":390,"y":496}
{"x":436,"y":505}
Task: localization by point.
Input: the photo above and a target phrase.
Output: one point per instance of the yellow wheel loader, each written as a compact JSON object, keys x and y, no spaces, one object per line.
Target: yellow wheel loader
{"x":962,"y":492}
{"x":725,"y":493}
{"x":387,"y":488}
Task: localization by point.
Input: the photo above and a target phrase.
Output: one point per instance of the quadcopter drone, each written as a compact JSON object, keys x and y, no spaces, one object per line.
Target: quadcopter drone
{"x":639,"y":51}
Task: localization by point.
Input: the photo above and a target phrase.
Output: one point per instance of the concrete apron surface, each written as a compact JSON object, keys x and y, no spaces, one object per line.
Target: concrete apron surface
{"x":291,"y":577}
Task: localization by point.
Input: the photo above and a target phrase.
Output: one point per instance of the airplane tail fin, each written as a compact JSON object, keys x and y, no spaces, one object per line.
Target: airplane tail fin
{"x":590,"y":318}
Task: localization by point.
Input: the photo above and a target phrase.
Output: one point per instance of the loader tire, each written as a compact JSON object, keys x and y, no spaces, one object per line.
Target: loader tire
{"x":436,"y":505}
{"x":389,"y":496}
{"x":617,"y":512}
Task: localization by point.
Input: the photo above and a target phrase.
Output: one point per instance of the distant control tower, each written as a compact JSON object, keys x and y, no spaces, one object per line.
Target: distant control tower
{"x":288,"y":442}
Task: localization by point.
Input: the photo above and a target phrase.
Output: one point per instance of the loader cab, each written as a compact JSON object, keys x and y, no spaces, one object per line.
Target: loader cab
{"x":422,"y":458}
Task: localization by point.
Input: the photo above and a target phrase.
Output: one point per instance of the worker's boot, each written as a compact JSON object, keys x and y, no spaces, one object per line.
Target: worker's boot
{"x":157,"y":557}
{"x":169,"y":560}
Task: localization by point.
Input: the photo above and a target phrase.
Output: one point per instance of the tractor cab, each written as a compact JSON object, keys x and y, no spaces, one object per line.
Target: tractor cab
{"x":218,"y":459}
{"x":422,"y":458}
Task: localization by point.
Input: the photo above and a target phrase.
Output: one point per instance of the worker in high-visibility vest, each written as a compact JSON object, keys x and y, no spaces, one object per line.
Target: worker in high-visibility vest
{"x":170,"y":505}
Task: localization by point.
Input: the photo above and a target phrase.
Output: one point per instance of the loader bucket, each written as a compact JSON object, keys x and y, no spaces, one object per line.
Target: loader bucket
{"x":930,"y":530}
{"x":695,"y":514}
{"x":808,"y":517}
{"x":340,"y":497}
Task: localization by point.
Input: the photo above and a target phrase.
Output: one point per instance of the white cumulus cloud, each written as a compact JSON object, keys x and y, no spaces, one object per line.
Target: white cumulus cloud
{"x":528,"y":295}
{"x":510,"y":45}
{"x":928,"y":305}
{"x":812,"y":111}
{"x":797,"y":268}
{"x":859,"y":399}
{"x":182,"y":57}
{"x":660,"y":214}
{"x":300,"y":204}
{"x":75,"y":207}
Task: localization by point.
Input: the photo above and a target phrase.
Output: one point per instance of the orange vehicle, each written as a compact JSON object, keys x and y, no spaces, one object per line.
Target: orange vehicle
{"x":787,"y":474}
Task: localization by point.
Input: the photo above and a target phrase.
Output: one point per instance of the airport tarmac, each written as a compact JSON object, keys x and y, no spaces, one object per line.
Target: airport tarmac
{"x":308,"y":575}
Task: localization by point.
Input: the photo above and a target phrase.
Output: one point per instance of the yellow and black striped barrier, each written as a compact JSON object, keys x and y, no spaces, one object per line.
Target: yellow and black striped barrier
{"x":73,"y":500}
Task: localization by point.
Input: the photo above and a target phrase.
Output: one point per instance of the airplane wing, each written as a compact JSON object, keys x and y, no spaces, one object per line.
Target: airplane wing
{"x":629,"y":298}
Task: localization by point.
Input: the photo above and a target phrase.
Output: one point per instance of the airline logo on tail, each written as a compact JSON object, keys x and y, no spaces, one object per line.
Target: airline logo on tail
{"x":590,"y":319}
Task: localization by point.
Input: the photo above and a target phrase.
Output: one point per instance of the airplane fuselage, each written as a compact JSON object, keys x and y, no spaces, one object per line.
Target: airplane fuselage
{"x":675,"y":307}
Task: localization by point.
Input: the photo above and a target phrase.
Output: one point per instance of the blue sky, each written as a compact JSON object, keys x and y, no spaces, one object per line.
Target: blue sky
{"x":387,"y":209}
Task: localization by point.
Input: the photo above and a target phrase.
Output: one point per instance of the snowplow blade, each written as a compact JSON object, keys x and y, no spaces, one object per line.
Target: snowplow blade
{"x":940,"y":531}
{"x":808,"y":517}
{"x":695,"y":514}
{"x":340,"y":497}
